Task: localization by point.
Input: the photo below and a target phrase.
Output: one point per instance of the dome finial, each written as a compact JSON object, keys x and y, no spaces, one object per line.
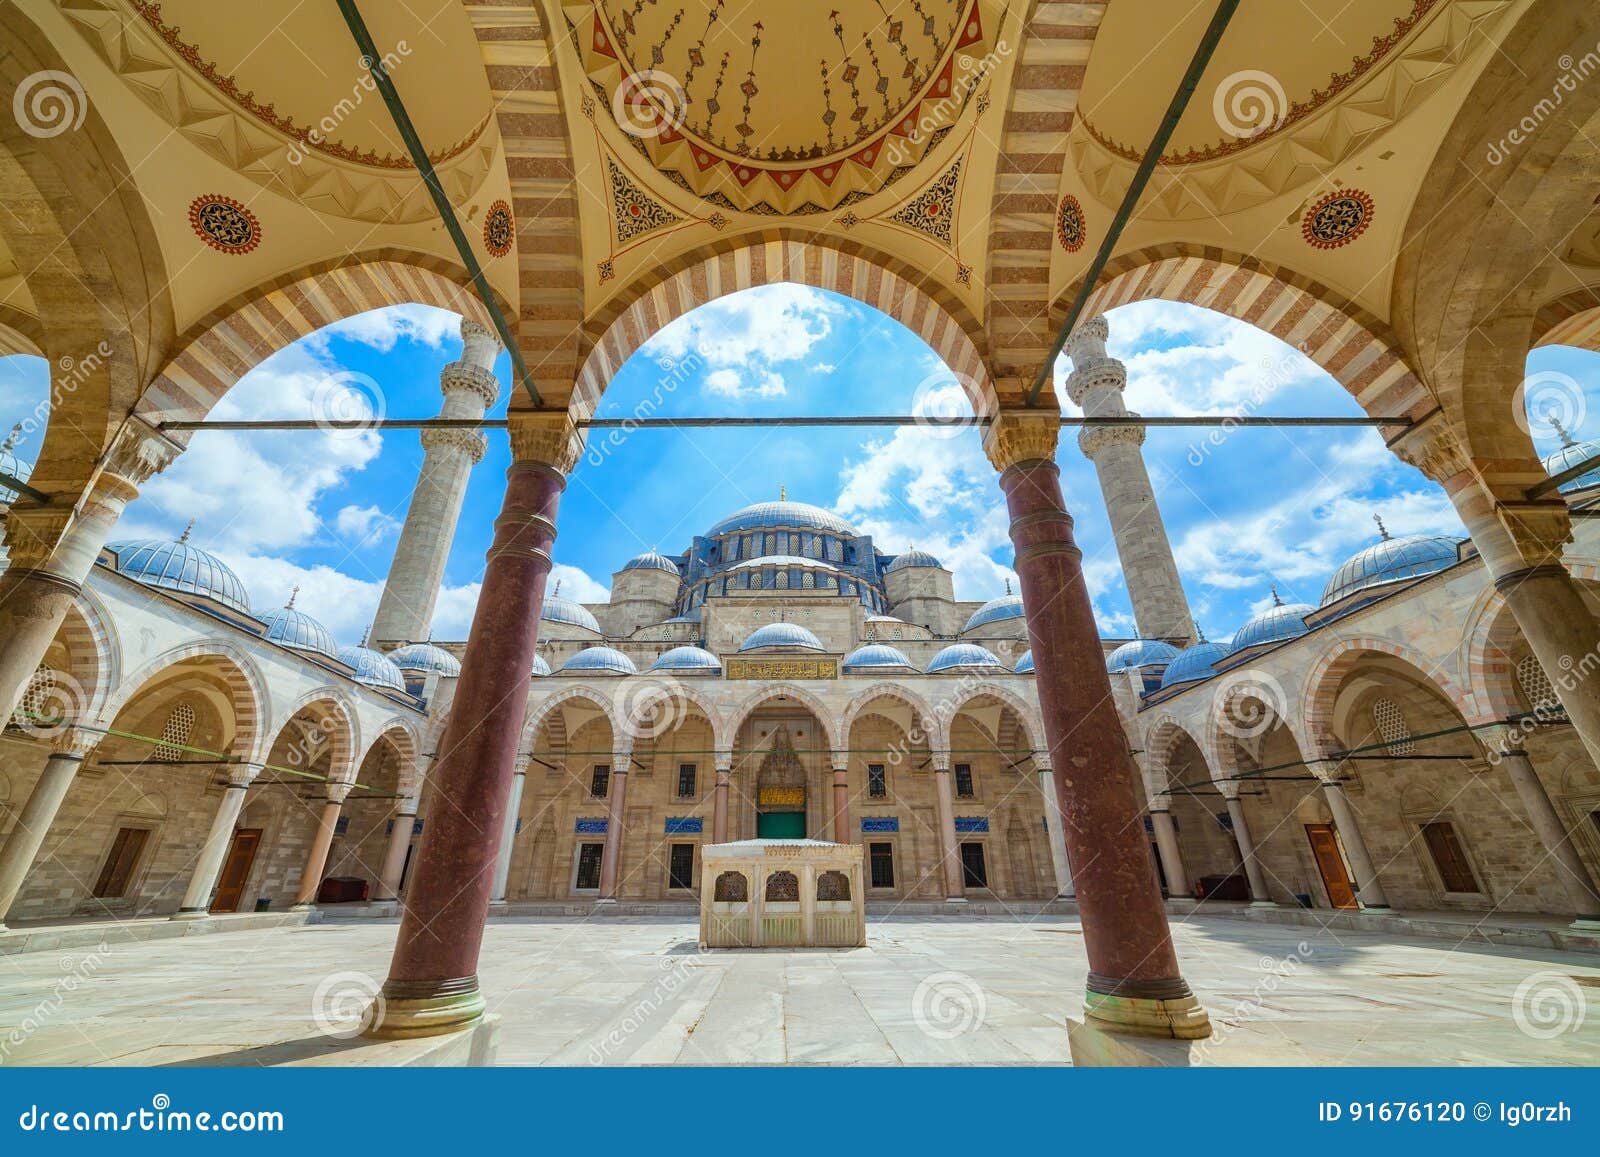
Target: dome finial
{"x":1276,"y":601}
{"x":1383,"y":530}
{"x":11,"y":438}
{"x":1561,"y":431}
{"x":366,"y":635}
{"x":289,"y":606}
{"x":783,"y":493}
{"x":1199,"y":633}
{"x":1008,"y":586}
{"x":184,"y":537}
{"x":557,"y":592}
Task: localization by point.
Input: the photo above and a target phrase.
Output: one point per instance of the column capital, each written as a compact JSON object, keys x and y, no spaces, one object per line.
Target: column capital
{"x":75,"y":741}
{"x":548,"y":437}
{"x":723,"y":760}
{"x":31,"y":534}
{"x":941,"y":759}
{"x":1042,"y":760}
{"x":1022,"y":436}
{"x":338,"y":792}
{"x":1501,"y":740}
{"x":1433,"y":448}
{"x":244,"y":774}
{"x":1093,"y":440}
{"x":468,"y":377}
{"x":1538,"y":529}
{"x":138,"y":452}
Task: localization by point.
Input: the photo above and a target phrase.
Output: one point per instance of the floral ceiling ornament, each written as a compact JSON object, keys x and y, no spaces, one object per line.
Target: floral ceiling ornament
{"x":228,"y":226}
{"x":1337,"y":219}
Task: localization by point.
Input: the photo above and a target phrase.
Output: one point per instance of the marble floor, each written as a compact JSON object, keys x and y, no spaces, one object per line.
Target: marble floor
{"x":924,"y":991}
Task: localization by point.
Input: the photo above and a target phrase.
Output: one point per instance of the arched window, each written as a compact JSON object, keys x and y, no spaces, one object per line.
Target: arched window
{"x":783,"y":886}
{"x":1392,"y":728}
{"x":783,"y":580}
{"x":174,"y":735}
{"x":733,"y":550}
{"x":1536,"y":686}
{"x":833,"y":886}
{"x":731,"y":888}
{"x":45,"y":701}
{"x":808,"y":580}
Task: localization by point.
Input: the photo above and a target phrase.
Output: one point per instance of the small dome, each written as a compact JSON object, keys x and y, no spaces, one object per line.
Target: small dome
{"x":890,"y":619}
{"x":559,"y":610}
{"x":1563,"y":459}
{"x":425,"y":657}
{"x":1193,"y":663}
{"x":1025,"y":664}
{"x":600,"y":661}
{"x":910,"y":558}
{"x":373,"y":668}
{"x":686,"y":659}
{"x":299,"y":631}
{"x":177,"y":566}
{"x":966,"y":657}
{"x":13,"y":465}
{"x":996,"y":610}
{"x":1276,"y":623}
{"x":788,"y":635}
{"x":877,"y":657}
{"x":540,"y":667}
{"x":1141,"y":653}
{"x":650,"y":560}
{"x":1389,"y":560}
{"x":690,"y":617}
{"x":781,"y":514}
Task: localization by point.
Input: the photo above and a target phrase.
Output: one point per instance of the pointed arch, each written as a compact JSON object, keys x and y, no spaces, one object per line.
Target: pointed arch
{"x":344,"y":739}
{"x":922,"y":712}
{"x":1026,"y":714}
{"x":1324,"y":678}
{"x":544,"y":709}
{"x":247,"y":688}
{"x":770,"y":691}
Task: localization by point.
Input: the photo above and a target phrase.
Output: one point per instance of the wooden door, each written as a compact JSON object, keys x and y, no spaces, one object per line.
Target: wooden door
{"x":236,"y":869}
{"x":119,"y":865}
{"x":1325,"y":847}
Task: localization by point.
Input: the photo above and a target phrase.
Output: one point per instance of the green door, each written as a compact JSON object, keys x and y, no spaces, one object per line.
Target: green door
{"x":781,"y":825}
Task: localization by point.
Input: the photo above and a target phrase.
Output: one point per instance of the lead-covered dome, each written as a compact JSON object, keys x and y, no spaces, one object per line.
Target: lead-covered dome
{"x":911,"y":558}
{"x":299,"y":631}
{"x":789,"y":636}
{"x":1141,"y":653}
{"x":1278,"y":622}
{"x":1025,"y":664}
{"x":12,"y":465}
{"x":599,"y":661}
{"x":966,"y":658}
{"x":176,"y":566}
{"x":1389,"y":561}
{"x":540,"y":667}
{"x":1196,"y":662}
{"x":650,"y":560}
{"x":1007,"y":606}
{"x":373,"y":668}
{"x":687,"y":659}
{"x":559,"y":610}
{"x":1565,"y":458}
{"x":782,"y":514}
{"x":877,"y":657}
{"x":425,"y":657}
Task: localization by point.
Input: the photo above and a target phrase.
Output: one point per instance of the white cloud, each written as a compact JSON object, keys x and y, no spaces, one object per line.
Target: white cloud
{"x":365,"y":526}
{"x":771,"y":323}
{"x":730,"y":383}
{"x":823,"y":368}
{"x":383,"y":328}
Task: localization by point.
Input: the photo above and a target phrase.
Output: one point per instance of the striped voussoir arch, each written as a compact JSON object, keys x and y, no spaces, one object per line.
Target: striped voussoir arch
{"x":1051,"y":60}
{"x":519,"y":60}
{"x":332,"y":720}
{"x":221,"y":348}
{"x":92,"y":651}
{"x":1325,"y":676}
{"x":247,"y":690}
{"x":1351,"y":345}
{"x":915,"y":301}
{"x":1572,"y":319}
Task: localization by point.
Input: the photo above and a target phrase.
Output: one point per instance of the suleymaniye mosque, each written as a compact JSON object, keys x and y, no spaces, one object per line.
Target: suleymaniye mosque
{"x":724,"y":532}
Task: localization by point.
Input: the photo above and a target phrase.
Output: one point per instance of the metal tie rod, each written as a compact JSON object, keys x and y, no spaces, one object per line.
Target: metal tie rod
{"x":711,"y":422}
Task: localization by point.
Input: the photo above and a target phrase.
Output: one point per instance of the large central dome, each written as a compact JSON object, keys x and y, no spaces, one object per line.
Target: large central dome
{"x":776,"y":515}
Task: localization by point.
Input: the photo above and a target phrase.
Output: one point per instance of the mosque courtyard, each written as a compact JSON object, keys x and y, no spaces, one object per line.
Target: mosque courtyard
{"x":925,"y":991}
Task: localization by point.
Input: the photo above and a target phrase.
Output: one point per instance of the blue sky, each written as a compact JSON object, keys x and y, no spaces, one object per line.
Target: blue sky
{"x":1244,"y":509}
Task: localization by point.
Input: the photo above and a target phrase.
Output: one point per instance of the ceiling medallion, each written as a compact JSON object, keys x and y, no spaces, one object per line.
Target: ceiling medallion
{"x":1337,"y":219}
{"x":1069,"y":224}
{"x":729,"y":121}
{"x":498,"y":229}
{"x":224,"y":224}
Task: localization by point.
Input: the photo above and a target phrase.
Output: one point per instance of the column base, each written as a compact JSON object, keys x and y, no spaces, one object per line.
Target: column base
{"x":302,"y":906}
{"x":191,"y":914}
{"x":1263,"y":903}
{"x":1177,"y":1018}
{"x":417,"y":1008}
{"x":606,"y":900}
{"x":1376,"y":910}
{"x":1581,"y":924}
{"x":955,"y":900}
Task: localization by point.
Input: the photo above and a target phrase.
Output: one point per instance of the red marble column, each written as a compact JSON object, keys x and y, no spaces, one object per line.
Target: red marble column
{"x":433,"y":984}
{"x":841,"y":805}
{"x":1134,"y":983}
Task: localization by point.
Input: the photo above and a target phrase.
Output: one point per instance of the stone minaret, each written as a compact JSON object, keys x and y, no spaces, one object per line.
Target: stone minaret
{"x":469,"y":388}
{"x":1096,"y":384}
